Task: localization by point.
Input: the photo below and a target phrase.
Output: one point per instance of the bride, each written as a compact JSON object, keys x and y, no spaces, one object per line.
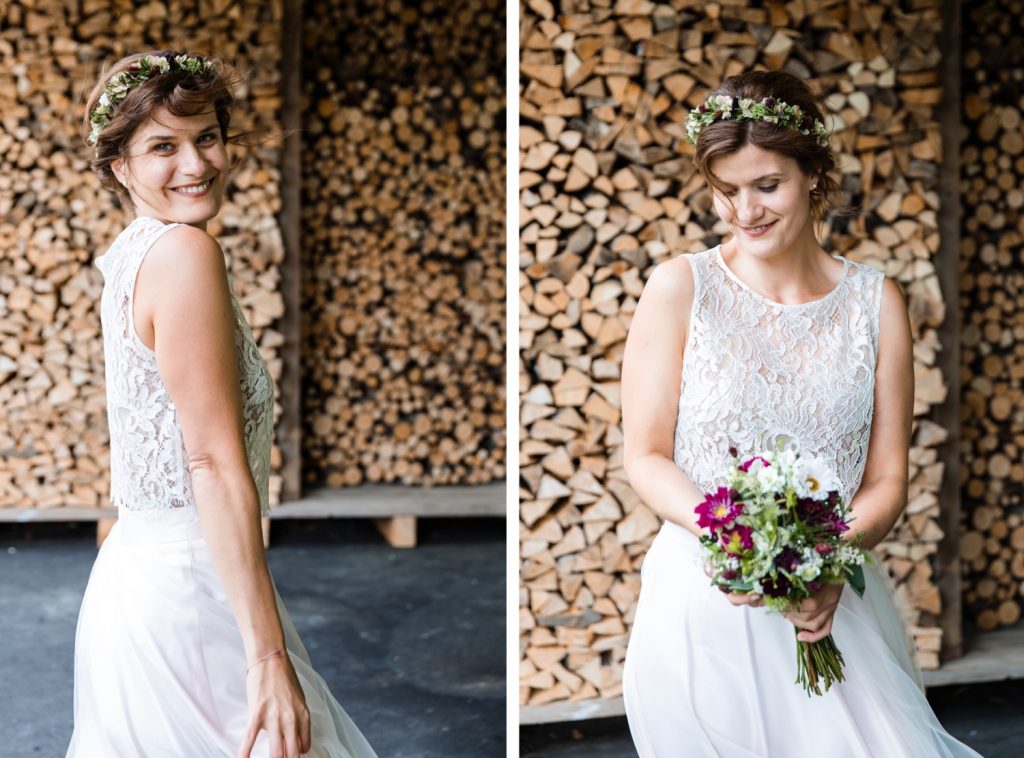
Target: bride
{"x":183,"y":646}
{"x":761,"y":340}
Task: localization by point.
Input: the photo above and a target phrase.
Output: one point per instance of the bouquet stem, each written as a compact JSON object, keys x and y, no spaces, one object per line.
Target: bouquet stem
{"x":817,"y":661}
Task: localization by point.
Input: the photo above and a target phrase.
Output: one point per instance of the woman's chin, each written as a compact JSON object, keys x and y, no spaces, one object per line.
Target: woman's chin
{"x":196,"y":214}
{"x":760,"y":248}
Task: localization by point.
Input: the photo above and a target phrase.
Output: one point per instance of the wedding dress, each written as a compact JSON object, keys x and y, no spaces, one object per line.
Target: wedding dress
{"x":705,"y":678}
{"x":160,"y":669}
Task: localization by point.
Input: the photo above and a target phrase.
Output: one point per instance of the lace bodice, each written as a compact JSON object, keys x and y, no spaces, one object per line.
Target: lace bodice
{"x":756,"y":371}
{"x":148,"y":460}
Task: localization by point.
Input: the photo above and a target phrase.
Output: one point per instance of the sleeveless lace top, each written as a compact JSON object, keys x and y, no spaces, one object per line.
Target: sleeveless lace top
{"x":756,"y":372}
{"x":148,"y":462}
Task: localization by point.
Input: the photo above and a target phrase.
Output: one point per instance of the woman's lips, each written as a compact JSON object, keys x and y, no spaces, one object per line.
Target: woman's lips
{"x":757,"y":231}
{"x":200,"y":189}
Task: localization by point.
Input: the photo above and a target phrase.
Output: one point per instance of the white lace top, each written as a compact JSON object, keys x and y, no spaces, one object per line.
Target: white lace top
{"x":756,"y":371}
{"x":148,"y":460}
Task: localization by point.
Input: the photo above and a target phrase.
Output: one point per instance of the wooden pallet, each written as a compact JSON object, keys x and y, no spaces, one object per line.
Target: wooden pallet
{"x":394,"y":509}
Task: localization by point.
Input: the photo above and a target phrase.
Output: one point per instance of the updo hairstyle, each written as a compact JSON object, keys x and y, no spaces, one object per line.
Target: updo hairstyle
{"x":182,"y":92}
{"x":725,"y":136}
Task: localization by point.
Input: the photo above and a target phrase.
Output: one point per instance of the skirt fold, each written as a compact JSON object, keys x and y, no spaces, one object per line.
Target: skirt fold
{"x":705,"y":678}
{"x":159,"y":661}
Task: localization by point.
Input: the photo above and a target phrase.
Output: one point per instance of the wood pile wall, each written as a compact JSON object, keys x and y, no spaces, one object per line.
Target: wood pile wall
{"x":991,"y":282}
{"x":55,"y":219}
{"x":607,"y":192}
{"x":403,"y":240}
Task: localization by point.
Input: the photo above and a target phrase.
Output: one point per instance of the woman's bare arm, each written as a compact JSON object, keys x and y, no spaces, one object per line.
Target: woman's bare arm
{"x":183,"y":302}
{"x":651,"y":372}
{"x":883,"y":491}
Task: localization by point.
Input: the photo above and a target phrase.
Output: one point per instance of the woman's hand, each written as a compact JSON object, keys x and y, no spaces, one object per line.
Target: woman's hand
{"x":816,"y":612}
{"x":277,"y":705}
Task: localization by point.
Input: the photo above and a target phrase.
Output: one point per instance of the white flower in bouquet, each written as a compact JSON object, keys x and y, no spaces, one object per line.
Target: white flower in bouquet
{"x":812,"y":478}
{"x":771,"y":476}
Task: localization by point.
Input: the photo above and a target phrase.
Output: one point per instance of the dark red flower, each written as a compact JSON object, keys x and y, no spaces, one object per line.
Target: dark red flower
{"x":788,"y":559}
{"x":777,"y":586}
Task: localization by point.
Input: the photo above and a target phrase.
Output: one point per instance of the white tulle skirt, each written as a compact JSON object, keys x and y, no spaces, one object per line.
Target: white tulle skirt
{"x":159,"y":662}
{"x":705,"y":678}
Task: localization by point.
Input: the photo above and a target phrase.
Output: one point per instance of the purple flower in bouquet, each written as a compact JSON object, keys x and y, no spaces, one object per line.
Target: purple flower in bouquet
{"x":718,"y":509}
{"x":737,"y":540}
{"x":821,"y":513}
{"x":776,"y":586}
{"x":745,"y":466}
{"x":788,"y":559}
{"x":836,"y":524}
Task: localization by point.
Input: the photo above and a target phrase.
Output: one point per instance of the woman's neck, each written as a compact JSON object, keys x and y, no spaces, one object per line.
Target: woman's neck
{"x":798,"y":274}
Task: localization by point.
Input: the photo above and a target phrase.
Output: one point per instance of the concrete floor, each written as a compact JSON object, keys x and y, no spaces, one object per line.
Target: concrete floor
{"x":988,"y":717}
{"x":411,"y":642}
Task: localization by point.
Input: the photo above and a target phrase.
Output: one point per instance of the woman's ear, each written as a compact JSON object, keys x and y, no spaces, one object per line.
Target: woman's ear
{"x":118,"y":168}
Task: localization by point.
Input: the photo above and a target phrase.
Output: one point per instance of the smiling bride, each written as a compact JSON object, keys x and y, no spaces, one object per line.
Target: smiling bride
{"x":183,"y":646}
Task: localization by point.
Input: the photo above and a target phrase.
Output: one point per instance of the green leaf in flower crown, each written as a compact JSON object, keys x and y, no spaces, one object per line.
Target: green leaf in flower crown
{"x":856,"y":579}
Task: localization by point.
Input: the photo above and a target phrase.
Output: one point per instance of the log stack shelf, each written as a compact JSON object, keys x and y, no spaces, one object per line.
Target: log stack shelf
{"x":607,"y":192}
{"x":991,"y":657}
{"x":382,"y":321}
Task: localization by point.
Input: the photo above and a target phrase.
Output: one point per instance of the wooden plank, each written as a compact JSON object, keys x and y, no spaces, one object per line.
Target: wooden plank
{"x":383,"y":501}
{"x":67,"y":513}
{"x":289,"y":425}
{"x":367,"y":501}
{"x":947,"y":265}
{"x":579,"y":710}
{"x":989,"y":657}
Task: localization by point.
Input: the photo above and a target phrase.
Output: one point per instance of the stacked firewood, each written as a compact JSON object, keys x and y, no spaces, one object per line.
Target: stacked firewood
{"x":55,"y":219}
{"x":992,"y":181}
{"x":608,"y":191}
{"x":403,"y":239}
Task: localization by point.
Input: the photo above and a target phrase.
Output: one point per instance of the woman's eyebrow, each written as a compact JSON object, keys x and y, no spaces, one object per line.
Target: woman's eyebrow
{"x":776,"y":175}
{"x":167,"y":138}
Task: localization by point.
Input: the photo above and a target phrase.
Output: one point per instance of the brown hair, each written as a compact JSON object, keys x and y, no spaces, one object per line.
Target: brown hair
{"x":183,"y":94}
{"x":726,"y":136}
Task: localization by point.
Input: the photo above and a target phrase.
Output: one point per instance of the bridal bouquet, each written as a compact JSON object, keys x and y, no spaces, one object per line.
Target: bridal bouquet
{"x":776,"y":531}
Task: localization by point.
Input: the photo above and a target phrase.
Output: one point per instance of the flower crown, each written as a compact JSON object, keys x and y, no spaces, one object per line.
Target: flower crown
{"x":723,"y":107}
{"x":145,"y":68}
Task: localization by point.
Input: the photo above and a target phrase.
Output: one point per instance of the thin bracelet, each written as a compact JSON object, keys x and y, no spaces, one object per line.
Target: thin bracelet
{"x":279,"y":653}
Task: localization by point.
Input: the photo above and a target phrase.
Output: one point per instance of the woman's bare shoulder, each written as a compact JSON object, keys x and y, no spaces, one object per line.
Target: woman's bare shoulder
{"x":187,"y":257}
{"x":672,"y":281}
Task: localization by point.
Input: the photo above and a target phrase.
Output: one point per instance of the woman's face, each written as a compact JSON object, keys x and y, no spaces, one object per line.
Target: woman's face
{"x":176,"y":168}
{"x":765,"y":199}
